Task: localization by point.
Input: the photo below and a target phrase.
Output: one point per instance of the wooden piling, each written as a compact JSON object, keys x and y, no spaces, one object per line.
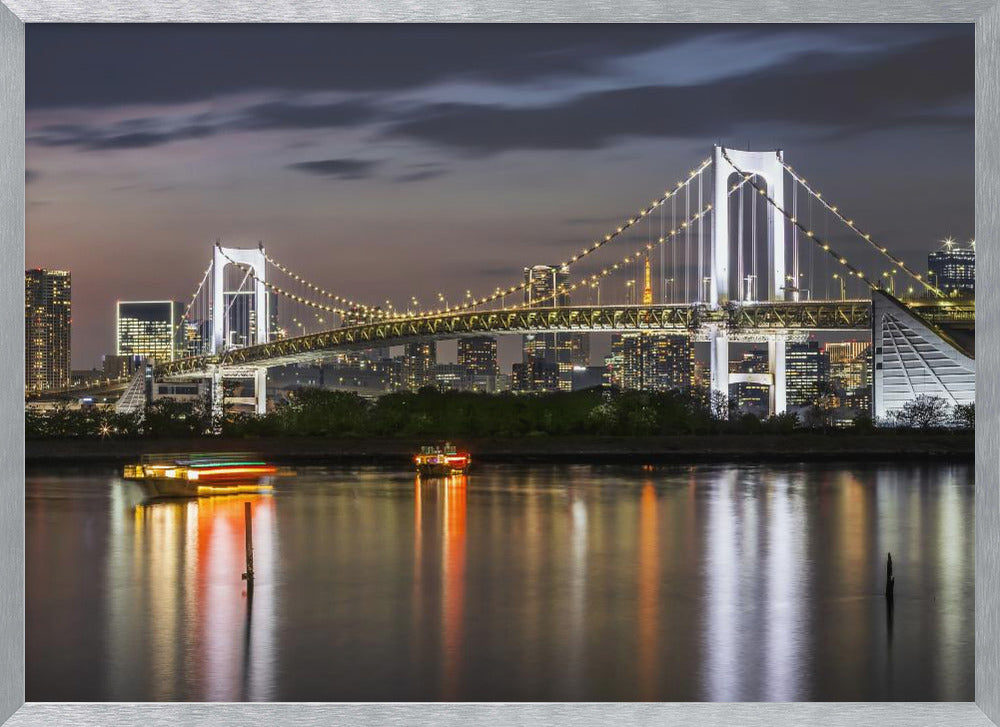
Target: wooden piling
{"x":890,"y":579}
{"x":248,"y":524}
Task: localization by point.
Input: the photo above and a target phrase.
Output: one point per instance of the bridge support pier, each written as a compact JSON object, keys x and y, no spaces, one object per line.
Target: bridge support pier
{"x":260,"y":391}
{"x":776,"y":367}
{"x":718,"y":363}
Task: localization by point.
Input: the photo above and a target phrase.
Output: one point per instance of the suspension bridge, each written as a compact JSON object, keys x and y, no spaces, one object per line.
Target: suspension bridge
{"x":743,"y":250}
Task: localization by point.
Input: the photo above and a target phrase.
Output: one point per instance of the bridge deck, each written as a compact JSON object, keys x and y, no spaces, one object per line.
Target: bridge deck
{"x":736,"y":319}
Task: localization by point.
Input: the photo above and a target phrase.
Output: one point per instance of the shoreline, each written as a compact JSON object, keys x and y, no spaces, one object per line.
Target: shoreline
{"x":798,"y":447}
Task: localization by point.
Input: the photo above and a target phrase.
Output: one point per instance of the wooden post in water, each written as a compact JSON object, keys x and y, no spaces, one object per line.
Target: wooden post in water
{"x":248,"y":524}
{"x":890,"y":579}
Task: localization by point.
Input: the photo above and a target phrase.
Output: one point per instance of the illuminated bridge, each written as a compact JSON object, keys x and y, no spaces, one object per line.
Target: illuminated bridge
{"x":738,"y":257}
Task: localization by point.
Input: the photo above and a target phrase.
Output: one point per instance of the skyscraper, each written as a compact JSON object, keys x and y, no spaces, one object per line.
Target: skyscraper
{"x":47,"y":319}
{"x":419,"y":360}
{"x":805,"y":368}
{"x":477,"y":355}
{"x":150,"y":329}
{"x":652,"y":362}
{"x":545,"y":287}
{"x":953,"y":268}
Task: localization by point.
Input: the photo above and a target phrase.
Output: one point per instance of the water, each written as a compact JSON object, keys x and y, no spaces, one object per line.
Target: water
{"x":530,"y":583}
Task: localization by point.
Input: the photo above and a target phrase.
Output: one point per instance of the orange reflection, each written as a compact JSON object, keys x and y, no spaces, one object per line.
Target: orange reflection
{"x":649,"y":595}
{"x":453,"y":582}
{"x":192,"y":553}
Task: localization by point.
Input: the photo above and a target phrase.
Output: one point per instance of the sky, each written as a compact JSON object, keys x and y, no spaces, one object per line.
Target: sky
{"x":385,"y":162}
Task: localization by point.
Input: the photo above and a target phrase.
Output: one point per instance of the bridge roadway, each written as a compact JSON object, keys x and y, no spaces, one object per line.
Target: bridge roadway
{"x":744,"y":320}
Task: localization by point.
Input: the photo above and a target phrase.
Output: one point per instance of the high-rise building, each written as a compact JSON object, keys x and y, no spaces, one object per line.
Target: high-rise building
{"x":451,"y":377}
{"x":751,"y":397}
{"x":805,"y":371}
{"x":652,"y":362}
{"x":535,"y":374}
{"x":419,"y":360}
{"x":478,"y":355}
{"x":151,"y":329}
{"x":953,"y":268}
{"x":545,"y":286}
{"x":850,"y":365}
{"x":47,"y":319}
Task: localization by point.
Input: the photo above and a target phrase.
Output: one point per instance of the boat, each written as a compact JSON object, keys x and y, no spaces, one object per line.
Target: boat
{"x":202,"y":475}
{"x":441,"y":461}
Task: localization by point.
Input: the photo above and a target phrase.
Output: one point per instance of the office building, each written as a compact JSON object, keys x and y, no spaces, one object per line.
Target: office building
{"x":751,"y":396}
{"x":478,"y":355}
{"x":535,"y":375}
{"x":419,"y":360}
{"x":47,"y":319}
{"x":953,"y":269}
{"x":652,"y":362}
{"x":151,"y":329}
{"x":545,"y":287}
{"x":805,"y":373}
{"x":850,"y":364}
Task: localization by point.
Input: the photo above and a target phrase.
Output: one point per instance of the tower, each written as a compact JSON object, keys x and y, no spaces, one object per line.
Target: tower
{"x":647,"y":288}
{"x":256,"y":261}
{"x":767,"y":166}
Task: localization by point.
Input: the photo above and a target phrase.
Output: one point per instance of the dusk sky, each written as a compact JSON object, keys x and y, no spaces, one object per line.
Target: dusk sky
{"x":390,"y":161}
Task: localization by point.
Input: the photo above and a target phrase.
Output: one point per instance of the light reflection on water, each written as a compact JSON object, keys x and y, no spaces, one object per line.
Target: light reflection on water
{"x":516,"y":583}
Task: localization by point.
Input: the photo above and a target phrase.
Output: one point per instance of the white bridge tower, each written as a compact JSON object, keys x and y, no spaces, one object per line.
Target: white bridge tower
{"x":254,"y":260}
{"x":767,"y":166}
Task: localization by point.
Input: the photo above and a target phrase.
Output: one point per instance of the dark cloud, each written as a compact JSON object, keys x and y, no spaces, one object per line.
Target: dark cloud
{"x":420,"y":175}
{"x":338,"y":168}
{"x":30,"y":175}
{"x":140,"y":133}
{"x":873,"y":90}
{"x":109,"y":65}
{"x":283,"y":115}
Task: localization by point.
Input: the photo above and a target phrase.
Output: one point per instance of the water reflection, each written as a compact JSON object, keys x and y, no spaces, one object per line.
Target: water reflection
{"x":175,"y":585}
{"x":513,"y":584}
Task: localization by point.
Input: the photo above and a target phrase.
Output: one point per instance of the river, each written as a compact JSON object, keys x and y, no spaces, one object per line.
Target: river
{"x":517,"y":583}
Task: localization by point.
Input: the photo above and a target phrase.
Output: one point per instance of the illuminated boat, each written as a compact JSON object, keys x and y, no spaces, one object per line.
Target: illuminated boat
{"x":202,"y":475}
{"x":441,"y":461}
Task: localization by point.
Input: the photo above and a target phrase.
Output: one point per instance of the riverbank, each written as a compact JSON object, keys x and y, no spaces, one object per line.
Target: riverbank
{"x":798,"y":446}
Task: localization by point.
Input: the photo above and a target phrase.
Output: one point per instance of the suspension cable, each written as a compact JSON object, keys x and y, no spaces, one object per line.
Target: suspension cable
{"x":635,"y":256}
{"x":825,"y":246}
{"x":881,"y":249}
{"x":597,"y":245}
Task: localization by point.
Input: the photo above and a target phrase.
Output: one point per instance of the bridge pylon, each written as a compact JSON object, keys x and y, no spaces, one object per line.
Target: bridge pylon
{"x":768,"y":166}
{"x":255,"y":261}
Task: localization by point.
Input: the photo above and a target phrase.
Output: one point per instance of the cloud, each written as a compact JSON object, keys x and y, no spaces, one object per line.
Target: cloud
{"x":818,"y":91}
{"x":141,"y":133}
{"x":420,"y":175}
{"x":338,"y":168}
{"x":85,"y":66}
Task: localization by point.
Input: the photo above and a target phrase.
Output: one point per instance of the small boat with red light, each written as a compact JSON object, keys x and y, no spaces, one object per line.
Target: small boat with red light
{"x":202,"y":475}
{"x":442,"y":461}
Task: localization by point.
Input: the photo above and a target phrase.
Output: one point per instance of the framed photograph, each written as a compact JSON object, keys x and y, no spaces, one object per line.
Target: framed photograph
{"x":524,"y":365}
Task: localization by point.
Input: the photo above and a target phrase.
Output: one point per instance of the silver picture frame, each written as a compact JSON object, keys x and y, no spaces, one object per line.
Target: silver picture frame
{"x":985,"y":14}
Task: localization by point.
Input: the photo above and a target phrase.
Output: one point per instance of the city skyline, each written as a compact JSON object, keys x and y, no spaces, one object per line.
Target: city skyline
{"x":449,"y":145}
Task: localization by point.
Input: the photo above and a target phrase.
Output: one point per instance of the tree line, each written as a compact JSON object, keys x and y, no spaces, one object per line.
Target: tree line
{"x":313,"y":412}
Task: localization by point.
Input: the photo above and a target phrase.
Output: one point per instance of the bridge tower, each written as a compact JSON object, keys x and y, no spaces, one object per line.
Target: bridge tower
{"x":765,"y":165}
{"x":255,"y":260}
